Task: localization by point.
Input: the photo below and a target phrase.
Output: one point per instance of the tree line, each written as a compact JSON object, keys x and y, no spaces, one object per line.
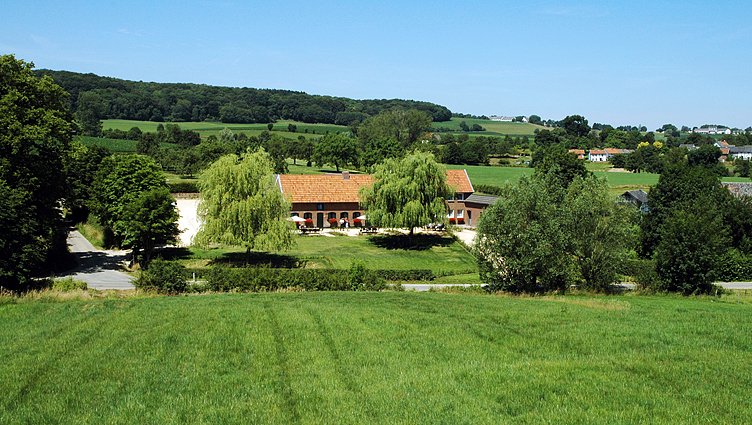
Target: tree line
{"x":98,"y":97}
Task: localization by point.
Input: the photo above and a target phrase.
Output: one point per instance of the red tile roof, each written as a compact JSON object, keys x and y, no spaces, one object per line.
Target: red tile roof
{"x":459,"y":180}
{"x":330,"y":188}
{"x":612,"y":151}
{"x":326,"y":188}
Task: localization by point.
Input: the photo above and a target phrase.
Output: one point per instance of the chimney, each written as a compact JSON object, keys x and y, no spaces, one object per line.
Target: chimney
{"x":345,"y":175}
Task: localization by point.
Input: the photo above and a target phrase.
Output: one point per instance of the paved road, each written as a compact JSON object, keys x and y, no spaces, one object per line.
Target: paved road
{"x":99,"y":269}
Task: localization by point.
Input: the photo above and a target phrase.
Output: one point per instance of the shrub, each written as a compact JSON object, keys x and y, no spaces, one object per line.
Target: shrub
{"x":359,"y":278}
{"x":260,"y":279}
{"x":163,"y":276}
{"x":183,"y":187}
{"x":68,"y":284}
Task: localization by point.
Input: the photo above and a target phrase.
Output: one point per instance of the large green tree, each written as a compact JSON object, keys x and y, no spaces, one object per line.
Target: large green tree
{"x":131,"y":198}
{"x":35,"y":128}
{"x":336,"y":149}
{"x":404,"y":126}
{"x":407,"y":192}
{"x":546,"y":233}
{"x":151,"y":219}
{"x":90,"y":111}
{"x":241,"y":204}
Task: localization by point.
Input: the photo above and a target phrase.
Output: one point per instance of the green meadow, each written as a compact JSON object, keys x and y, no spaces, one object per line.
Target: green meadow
{"x":493,"y":128}
{"x":207,"y":128}
{"x":373,"y":358}
{"x":440,"y":254}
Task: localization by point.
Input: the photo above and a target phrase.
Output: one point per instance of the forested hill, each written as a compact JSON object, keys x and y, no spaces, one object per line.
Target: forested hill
{"x":112,"y":98}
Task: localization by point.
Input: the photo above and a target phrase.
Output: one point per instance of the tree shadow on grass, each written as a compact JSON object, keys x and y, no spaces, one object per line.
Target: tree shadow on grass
{"x":416,"y":243}
{"x":275,"y":261}
{"x":173,"y":253}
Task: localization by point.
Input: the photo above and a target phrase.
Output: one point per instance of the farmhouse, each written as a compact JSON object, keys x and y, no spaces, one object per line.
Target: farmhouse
{"x":598,"y":156}
{"x":475,"y":205}
{"x":324,"y":200}
{"x":579,"y":152}
{"x":743,"y":152}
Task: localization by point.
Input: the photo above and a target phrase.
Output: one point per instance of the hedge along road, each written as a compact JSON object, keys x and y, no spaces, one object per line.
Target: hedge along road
{"x":99,"y":269}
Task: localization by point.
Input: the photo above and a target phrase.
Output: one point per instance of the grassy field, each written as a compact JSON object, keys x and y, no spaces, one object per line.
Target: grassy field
{"x":372,"y":358}
{"x":114,"y":145}
{"x":442,"y":255}
{"x":213,"y":128}
{"x":493,"y":128}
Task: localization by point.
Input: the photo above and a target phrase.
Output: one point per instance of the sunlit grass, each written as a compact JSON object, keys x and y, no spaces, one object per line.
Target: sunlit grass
{"x":376,"y":358}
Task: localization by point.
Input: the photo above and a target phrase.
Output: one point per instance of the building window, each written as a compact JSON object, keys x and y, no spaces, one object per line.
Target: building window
{"x":459,"y":196}
{"x":294,"y":214}
{"x":319,"y":207}
{"x":451,"y":214}
{"x":333,"y":215}
{"x":308,"y":216}
{"x":344,"y":215}
{"x":460,"y":213}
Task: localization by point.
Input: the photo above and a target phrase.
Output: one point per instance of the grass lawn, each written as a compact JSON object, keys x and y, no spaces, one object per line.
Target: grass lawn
{"x":442,"y":255}
{"x":373,"y":358}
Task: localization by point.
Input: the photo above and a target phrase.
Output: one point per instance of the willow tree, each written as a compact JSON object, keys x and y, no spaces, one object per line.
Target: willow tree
{"x":241,"y":204}
{"x":407,"y":192}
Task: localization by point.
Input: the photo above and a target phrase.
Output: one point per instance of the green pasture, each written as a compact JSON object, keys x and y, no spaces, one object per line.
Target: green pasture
{"x":493,"y":128}
{"x":373,"y":358}
{"x":495,"y":176}
{"x":440,"y":254}
{"x":114,"y":145}
{"x":207,"y":128}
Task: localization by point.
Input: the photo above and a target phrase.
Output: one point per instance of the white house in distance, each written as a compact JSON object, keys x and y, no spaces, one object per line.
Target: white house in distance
{"x":598,"y":155}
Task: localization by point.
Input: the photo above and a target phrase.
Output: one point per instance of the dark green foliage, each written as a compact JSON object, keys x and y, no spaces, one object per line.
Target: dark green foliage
{"x":261,"y":279}
{"x":359,"y":278}
{"x":742,"y":167}
{"x":163,"y":276}
{"x":488,"y":189}
{"x":337,"y":150}
{"x":562,"y":165}
{"x":693,"y":244}
{"x":576,"y":125}
{"x":150,"y":220}
{"x":548,"y":233}
{"x":35,"y":133}
{"x":159,"y":102}
{"x":183,"y":187}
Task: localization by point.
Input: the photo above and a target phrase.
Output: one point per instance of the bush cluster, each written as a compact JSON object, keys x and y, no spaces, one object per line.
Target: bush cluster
{"x":488,"y":189}
{"x":163,"y":276}
{"x":259,"y":279}
{"x":183,"y":187}
{"x":68,"y":284}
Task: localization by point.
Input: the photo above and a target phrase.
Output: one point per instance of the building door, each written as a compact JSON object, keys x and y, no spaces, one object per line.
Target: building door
{"x":469,"y":218}
{"x":320,"y":220}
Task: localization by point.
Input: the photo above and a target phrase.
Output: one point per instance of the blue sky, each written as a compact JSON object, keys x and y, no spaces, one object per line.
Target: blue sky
{"x":631,"y":63}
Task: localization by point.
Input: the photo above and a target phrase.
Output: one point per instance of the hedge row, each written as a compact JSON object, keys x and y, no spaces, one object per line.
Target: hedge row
{"x":259,"y":279}
{"x":392,"y":275}
{"x":183,"y":187}
{"x":488,"y":189}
